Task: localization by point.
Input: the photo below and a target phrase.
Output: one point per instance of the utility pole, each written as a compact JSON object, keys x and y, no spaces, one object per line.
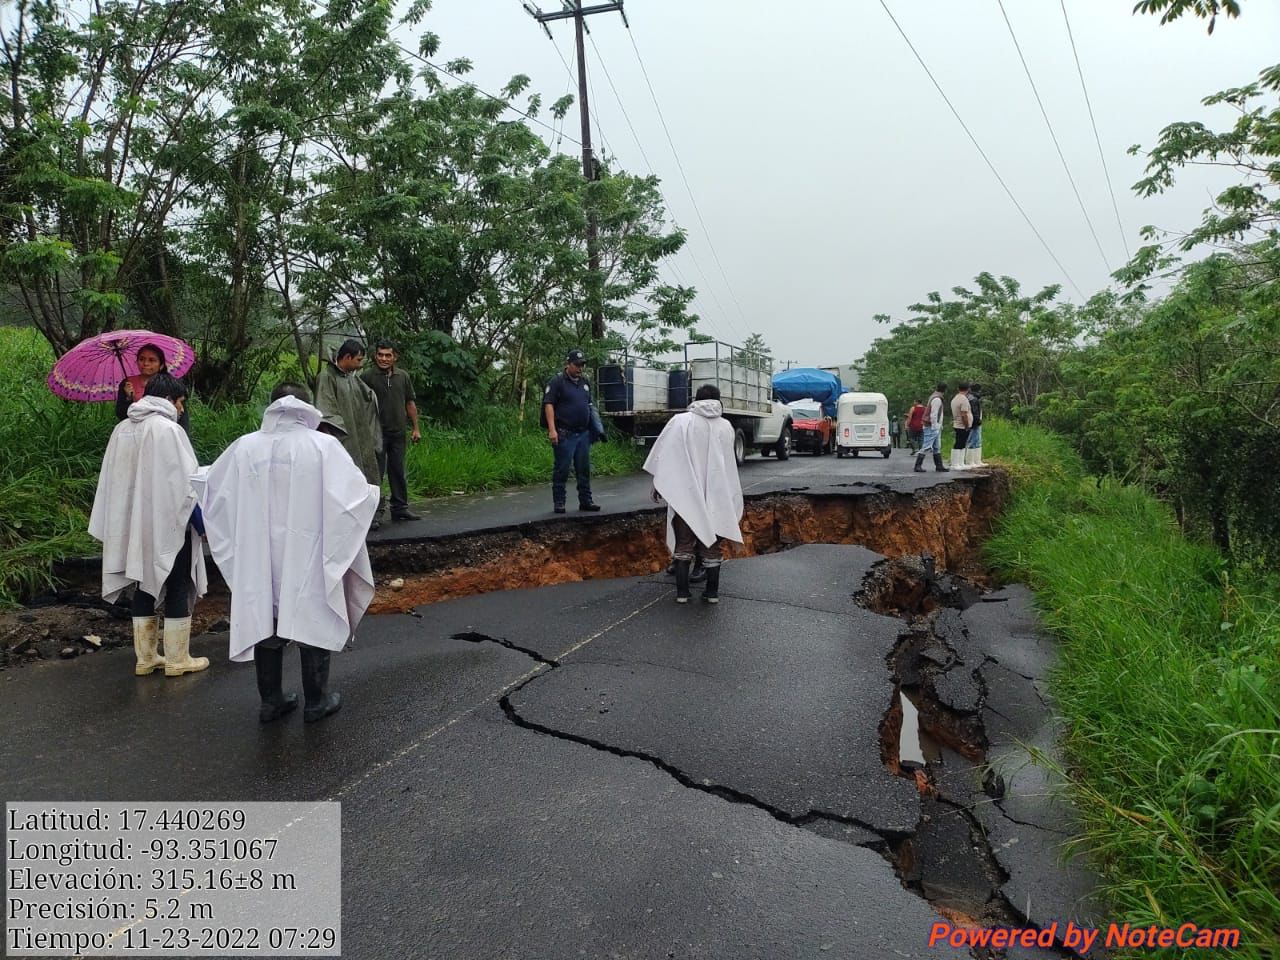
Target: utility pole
{"x":590,"y":168}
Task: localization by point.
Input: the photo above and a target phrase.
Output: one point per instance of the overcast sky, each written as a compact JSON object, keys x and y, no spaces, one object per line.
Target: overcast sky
{"x":833,"y":180}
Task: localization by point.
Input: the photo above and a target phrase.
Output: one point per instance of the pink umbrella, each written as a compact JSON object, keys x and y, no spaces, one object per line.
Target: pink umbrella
{"x":91,"y":371}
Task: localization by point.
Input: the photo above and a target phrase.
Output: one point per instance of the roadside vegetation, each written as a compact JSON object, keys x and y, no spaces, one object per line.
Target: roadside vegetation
{"x":1170,"y":680}
{"x":53,"y":450}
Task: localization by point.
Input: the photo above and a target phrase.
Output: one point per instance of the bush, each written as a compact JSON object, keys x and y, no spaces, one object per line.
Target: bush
{"x":1169,"y":674}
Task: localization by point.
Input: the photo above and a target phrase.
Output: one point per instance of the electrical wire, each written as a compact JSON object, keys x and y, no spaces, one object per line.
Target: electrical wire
{"x":684,"y":177}
{"x":974,"y":140}
{"x":1053,"y":135}
{"x":595,"y":116}
{"x":708,"y":286}
{"x":1096,"y":138}
{"x":665,"y":202}
{"x":505,"y":103}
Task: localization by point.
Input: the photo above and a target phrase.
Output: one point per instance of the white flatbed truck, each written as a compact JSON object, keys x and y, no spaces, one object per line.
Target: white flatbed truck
{"x":641,"y":398}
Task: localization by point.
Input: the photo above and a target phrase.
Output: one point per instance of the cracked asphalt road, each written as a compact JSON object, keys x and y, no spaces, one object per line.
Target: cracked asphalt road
{"x":580,"y":770}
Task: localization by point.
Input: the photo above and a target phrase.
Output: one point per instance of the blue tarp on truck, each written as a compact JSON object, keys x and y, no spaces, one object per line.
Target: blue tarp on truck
{"x":800,"y":383}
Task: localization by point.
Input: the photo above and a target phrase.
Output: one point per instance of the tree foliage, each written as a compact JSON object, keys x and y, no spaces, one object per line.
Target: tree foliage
{"x":265,"y":174}
{"x":1204,"y":9}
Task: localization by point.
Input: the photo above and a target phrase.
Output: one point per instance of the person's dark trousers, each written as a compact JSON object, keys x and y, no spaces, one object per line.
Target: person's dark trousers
{"x":391,"y":466}
{"x":573,"y":450}
{"x":177,"y":589}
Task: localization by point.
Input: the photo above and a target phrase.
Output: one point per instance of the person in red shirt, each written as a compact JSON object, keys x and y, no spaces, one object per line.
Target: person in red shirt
{"x":915,"y":425}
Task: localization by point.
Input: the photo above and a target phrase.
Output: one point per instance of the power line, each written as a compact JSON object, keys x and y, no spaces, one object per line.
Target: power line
{"x":996,"y":173}
{"x":467,"y":83}
{"x":595,"y":111}
{"x":650,"y":167}
{"x":693,"y":200}
{"x":1053,"y":135}
{"x":1097,"y":139}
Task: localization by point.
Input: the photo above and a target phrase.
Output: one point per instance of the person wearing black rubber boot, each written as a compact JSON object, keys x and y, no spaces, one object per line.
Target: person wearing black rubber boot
{"x":320,"y":702}
{"x":268,"y":663}
{"x":695,"y":471}
{"x":269,"y":500}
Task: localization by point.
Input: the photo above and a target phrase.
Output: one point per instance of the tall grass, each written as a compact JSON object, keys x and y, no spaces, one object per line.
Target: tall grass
{"x":1170,"y":678}
{"x":53,"y":450}
{"x":497,"y":448}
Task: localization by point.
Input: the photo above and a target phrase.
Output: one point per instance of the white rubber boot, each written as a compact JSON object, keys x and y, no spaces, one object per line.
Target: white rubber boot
{"x":957,"y":459}
{"x":177,"y":648}
{"x":146,"y":645}
{"x":977,"y":457}
{"x":968,"y":457}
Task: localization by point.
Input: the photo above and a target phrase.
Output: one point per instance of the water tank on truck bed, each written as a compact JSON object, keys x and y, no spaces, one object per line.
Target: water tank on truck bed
{"x":641,"y":397}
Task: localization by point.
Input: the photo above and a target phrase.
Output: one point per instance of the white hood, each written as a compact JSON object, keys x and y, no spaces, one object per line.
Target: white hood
{"x":288,"y":413}
{"x":152,"y":407}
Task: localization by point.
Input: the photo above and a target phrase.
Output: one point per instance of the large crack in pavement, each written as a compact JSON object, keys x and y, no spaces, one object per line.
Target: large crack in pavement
{"x":952,"y":856}
{"x":940,"y":645}
{"x":882,"y":837}
{"x":956,"y":842}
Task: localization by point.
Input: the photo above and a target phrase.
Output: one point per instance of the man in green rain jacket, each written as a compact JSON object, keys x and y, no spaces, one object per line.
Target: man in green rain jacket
{"x":340,"y":391}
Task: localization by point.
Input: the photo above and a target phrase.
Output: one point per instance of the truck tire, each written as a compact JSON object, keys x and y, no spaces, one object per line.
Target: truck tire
{"x":765,"y":450}
{"x":739,"y":446}
{"x":886,"y":451}
{"x":783,"y":446}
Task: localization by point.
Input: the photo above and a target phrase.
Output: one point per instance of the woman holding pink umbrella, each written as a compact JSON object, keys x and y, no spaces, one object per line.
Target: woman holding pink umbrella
{"x":150,"y":362}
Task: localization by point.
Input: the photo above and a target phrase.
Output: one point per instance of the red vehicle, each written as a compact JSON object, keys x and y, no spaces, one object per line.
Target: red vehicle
{"x":811,"y":429}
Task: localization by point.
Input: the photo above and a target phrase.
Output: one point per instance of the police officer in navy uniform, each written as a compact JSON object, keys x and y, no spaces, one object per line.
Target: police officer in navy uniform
{"x":567,"y":407}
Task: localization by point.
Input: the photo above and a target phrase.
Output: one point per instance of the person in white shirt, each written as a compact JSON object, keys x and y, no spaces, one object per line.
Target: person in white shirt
{"x":932,"y":440}
{"x":145,"y":514}
{"x":695,"y":471}
{"x":961,"y":420}
{"x":286,"y":513}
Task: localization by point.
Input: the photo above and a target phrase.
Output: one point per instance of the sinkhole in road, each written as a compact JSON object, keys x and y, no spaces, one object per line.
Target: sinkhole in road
{"x":932,"y":733}
{"x":948,"y":521}
{"x":931,"y":539}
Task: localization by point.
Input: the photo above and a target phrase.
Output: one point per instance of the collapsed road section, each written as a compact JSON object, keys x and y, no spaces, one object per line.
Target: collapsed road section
{"x":948,"y":521}
{"x":789,"y":698}
{"x":828,"y":763}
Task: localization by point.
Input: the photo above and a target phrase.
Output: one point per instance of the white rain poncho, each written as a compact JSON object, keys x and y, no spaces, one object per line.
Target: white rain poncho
{"x":144,"y":502}
{"x":695,"y":471}
{"x":286,"y":513}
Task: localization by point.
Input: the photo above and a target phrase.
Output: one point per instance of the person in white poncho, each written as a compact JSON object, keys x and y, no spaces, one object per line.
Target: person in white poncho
{"x":145,"y":514}
{"x":286,"y":512}
{"x":695,"y":471}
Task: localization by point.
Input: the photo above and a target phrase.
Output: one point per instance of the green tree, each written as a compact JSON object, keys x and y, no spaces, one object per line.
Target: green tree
{"x":1009,"y":341}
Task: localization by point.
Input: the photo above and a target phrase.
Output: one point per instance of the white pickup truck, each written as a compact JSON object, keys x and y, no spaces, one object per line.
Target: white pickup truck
{"x":640,"y":398}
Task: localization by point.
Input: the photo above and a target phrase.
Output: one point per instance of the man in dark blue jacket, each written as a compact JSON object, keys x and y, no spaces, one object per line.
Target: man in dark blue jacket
{"x":566,"y":405}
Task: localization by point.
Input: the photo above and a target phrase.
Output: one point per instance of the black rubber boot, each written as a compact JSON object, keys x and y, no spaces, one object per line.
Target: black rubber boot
{"x":682,"y":581}
{"x":268,"y":662}
{"x":696,"y":575}
{"x":315,"y":675}
{"x":711,"y":594}
{"x":938,"y":465}
{"x":919,"y":467}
